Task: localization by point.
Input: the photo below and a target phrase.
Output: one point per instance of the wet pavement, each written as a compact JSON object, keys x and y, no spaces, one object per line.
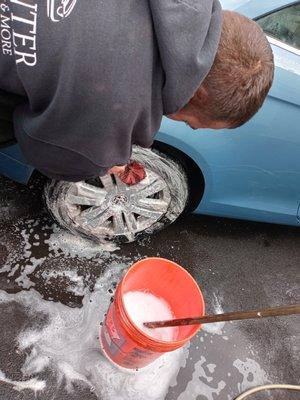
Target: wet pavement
{"x":46,"y":276}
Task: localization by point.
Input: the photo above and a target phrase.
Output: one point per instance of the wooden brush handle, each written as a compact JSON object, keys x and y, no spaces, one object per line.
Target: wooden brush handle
{"x":231,"y":316}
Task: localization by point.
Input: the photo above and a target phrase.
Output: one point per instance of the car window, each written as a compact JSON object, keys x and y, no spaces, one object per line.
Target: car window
{"x":283,"y":25}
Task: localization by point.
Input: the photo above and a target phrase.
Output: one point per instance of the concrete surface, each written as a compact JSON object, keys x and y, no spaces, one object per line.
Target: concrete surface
{"x":239,"y":265}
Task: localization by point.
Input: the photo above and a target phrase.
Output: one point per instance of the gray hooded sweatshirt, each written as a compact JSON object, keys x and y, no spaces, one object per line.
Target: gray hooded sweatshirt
{"x":98,"y":75}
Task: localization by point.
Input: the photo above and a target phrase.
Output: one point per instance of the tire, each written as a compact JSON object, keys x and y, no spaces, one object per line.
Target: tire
{"x":160,"y":199}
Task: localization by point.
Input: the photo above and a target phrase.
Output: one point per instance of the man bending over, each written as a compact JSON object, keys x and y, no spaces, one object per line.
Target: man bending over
{"x":82,"y":81}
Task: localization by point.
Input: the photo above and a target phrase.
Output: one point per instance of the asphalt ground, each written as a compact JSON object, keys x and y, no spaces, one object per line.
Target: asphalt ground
{"x":239,"y":265}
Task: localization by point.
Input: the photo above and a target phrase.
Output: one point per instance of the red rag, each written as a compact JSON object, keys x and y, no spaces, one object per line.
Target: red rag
{"x":133,"y":174}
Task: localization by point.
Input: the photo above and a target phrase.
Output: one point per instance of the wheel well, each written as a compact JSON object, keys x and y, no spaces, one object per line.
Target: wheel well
{"x":192,"y":170}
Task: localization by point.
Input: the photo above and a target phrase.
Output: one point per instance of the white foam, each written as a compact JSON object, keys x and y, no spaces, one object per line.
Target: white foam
{"x":13,"y":270}
{"x":252,"y":372}
{"x":197,"y":386}
{"x":27,"y":245}
{"x":20,"y":262}
{"x":143,"y":307}
{"x":76,"y":284}
{"x":5,"y":268}
{"x":32,"y":384}
{"x":215,"y":328}
{"x":211,"y":368}
{"x":34,"y":364}
{"x":23,"y":280}
{"x":69,"y":344}
{"x":18,"y":248}
{"x":61,"y":241}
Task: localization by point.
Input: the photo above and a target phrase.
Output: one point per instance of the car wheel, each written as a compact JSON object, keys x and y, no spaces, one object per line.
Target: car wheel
{"x":104,"y":208}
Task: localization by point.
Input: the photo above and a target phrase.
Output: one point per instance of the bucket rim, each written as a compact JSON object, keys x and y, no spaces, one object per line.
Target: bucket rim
{"x":144,"y":339}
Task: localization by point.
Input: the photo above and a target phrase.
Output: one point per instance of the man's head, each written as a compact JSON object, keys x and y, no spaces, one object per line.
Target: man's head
{"x":239,"y":80}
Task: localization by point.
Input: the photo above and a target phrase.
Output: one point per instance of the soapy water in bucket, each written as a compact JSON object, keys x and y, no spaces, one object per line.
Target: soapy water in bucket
{"x":143,"y":306}
{"x":123,"y":337}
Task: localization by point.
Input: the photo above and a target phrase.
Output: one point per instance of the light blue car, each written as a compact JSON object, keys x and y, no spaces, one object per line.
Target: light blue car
{"x":252,"y":172}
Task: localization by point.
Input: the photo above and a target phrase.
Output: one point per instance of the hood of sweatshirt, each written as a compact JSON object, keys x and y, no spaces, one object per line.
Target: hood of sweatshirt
{"x":188,"y":33}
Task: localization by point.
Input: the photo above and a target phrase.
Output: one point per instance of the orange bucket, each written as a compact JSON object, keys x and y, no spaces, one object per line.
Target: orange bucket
{"x":122,"y":341}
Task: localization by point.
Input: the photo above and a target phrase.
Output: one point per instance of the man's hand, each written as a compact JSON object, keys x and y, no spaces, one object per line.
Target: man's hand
{"x":117,"y":170}
{"x":130,"y":174}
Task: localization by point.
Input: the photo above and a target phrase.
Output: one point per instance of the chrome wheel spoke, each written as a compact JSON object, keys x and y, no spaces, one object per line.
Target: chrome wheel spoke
{"x":124,"y":223}
{"x":85,"y":189}
{"x":146,"y":211}
{"x":95,"y":216}
{"x":84,"y":201}
{"x":107,"y":182}
{"x":118,"y":222}
{"x":130,"y":221}
{"x":154,"y":204}
{"x":86,"y":195}
{"x":121,"y":185}
{"x":102,"y":218}
{"x":154,"y":187}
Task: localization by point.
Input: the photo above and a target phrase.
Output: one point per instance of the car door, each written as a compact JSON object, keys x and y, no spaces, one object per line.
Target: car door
{"x":282,"y":27}
{"x":256,"y":169}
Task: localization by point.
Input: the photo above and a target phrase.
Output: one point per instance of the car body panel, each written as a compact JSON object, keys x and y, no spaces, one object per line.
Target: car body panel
{"x":236,"y":186}
{"x":14,"y":165}
{"x":250,"y":173}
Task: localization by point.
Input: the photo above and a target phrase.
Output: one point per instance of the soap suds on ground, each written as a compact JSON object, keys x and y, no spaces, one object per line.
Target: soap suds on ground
{"x":76,"y":284}
{"x":53,"y":242}
{"x":64,"y":242}
{"x":69,"y":345}
{"x":215,"y":328}
{"x":197,"y":386}
{"x":32,"y":384}
{"x":253,"y":374}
